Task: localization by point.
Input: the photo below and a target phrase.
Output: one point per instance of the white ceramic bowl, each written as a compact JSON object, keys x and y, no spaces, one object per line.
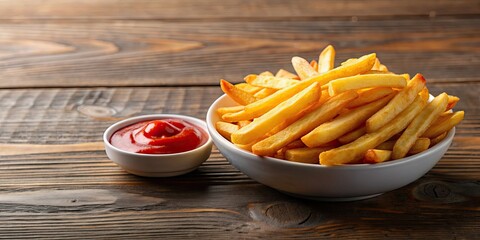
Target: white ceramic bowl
{"x":337,"y":183}
{"x":157,"y":165}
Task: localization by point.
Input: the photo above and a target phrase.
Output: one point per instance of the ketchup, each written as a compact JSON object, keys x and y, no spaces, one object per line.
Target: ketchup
{"x":159,"y":137}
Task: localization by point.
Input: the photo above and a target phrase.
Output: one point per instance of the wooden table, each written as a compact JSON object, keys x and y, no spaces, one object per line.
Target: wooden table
{"x":69,"y":69}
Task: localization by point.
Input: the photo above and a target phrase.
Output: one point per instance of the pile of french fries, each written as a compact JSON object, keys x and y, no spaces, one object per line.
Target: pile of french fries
{"x":358,"y":112}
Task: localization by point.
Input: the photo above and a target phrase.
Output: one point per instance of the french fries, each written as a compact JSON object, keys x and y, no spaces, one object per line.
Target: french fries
{"x":238,"y":95}
{"x":269,"y":81}
{"x":366,"y":81}
{"x":354,"y":151}
{"x":438,"y":128}
{"x":343,"y":124}
{"x":325,"y":112}
{"x":326,"y":60}
{"x":359,"y":112}
{"x":376,"y":156}
{"x":419,"y":125}
{"x":397,"y":104}
{"x":261,"y":125}
{"x":303,"y":68}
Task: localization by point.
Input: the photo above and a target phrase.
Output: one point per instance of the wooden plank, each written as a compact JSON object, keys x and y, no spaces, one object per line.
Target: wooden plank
{"x":188,"y":9}
{"x":153,"y":53}
{"x":70,"y":194}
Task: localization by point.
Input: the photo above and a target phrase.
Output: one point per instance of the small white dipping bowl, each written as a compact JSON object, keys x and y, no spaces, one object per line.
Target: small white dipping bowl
{"x":318,"y":182}
{"x":157,"y":165}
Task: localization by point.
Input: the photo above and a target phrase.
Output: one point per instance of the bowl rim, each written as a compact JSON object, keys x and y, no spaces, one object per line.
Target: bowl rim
{"x":213,"y":131}
{"x":131,"y":120}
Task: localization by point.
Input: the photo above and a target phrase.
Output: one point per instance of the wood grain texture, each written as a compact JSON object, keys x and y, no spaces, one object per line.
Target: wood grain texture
{"x":69,"y":69}
{"x":208,"y":9}
{"x":71,"y":194}
{"x":154,"y":53}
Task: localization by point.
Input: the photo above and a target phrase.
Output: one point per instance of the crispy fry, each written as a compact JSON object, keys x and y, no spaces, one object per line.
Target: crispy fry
{"x":388,"y":145}
{"x":425,"y":94}
{"x":282,"y":73}
{"x":366,"y":81}
{"x":295,"y":144}
{"x":379,"y":66}
{"x":266,"y":73}
{"x":238,"y":95}
{"x":437,"y":139}
{"x":264,"y":93}
{"x":223,"y":110}
{"x":323,"y":113}
{"x":243,"y":123}
{"x":354,"y":151}
{"x":248,"y":88}
{"x":303,"y":68}
{"x":397,"y":104}
{"x":262,"y":106}
{"x":341,"y":125}
{"x":420,"y":145}
{"x":353,"y":135}
{"x":376,"y":156}
{"x":419,"y":125}
{"x":226,"y":129}
{"x":438,"y":128}
{"x":270,"y":81}
{"x":326,"y":59}
{"x":370,"y":95}
{"x":314,"y":65}
{"x":305,"y":155}
{"x":452,"y":101}
{"x":262,"y":125}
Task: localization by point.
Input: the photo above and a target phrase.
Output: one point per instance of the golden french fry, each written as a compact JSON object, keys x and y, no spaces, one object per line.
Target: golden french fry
{"x":264,"y":93}
{"x":305,"y":155}
{"x":353,"y":60}
{"x":438,"y":128}
{"x":248,"y":88}
{"x":366,"y":81}
{"x":323,"y":113}
{"x":262,"y":124}
{"x":437,"y":139}
{"x":376,"y":156}
{"x":314,"y":65}
{"x":243,"y":123}
{"x":266,"y":73}
{"x":262,"y":106}
{"x":248,"y":146}
{"x":286,"y":74}
{"x":354,"y":151}
{"x":376,"y":66}
{"x":452,"y":101}
{"x":425,"y":94}
{"x":326,"y":60}
{"x":303,"y":68}
{"x":420,"y":145}
{"x":353,"y":135}
{"x":343,"y":124}
{"x":226,"y":129}
{"x":237,"y":94}
{"x":419,"y":125}
{"x":397,"y":104}
{"x":379,"y":66}
{"x":370,"y":95}
{"x":295,"y":144}
{"x":388,"y":145}
{"x":270,"y":81}
{"x":223,"y":110}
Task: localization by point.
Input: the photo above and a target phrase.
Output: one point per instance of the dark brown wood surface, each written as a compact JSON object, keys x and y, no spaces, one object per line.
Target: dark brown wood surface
{"x":69,"y":69}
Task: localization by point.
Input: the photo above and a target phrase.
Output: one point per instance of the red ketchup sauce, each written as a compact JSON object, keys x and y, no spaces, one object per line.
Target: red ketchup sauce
{"x":159,"y":137}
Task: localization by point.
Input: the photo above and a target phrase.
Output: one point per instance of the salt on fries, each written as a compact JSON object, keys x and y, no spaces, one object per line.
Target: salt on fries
{"x":358,"y":112}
